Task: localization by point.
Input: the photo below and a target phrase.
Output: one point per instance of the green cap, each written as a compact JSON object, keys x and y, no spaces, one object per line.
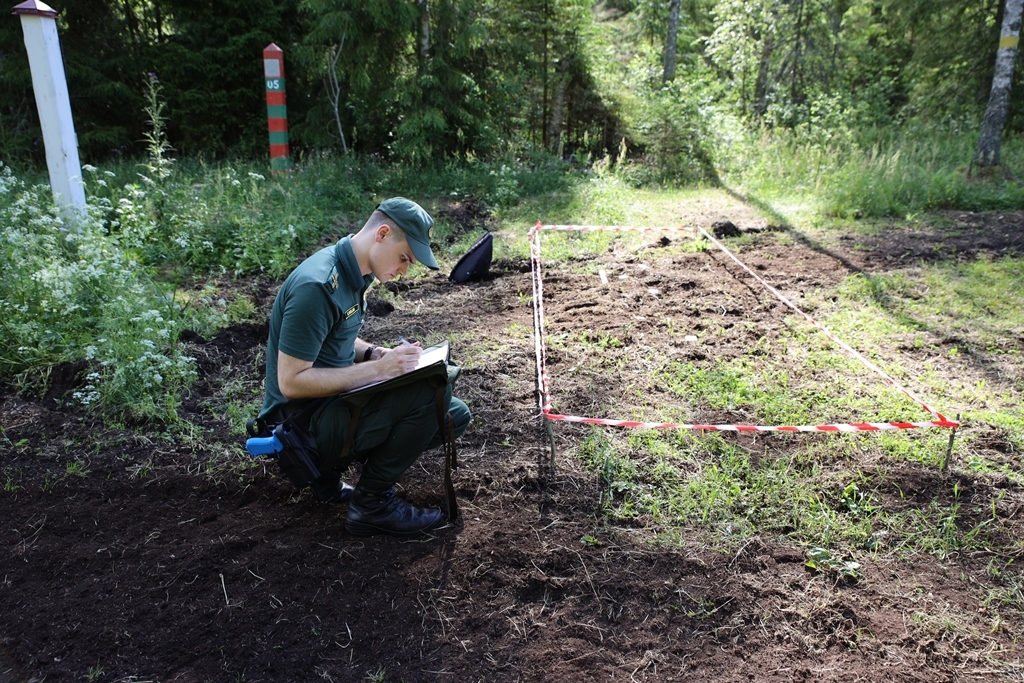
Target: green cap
{"x":415,"y":223}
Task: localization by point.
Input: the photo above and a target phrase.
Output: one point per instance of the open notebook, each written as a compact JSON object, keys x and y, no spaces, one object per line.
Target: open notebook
{"x":430,"y":358}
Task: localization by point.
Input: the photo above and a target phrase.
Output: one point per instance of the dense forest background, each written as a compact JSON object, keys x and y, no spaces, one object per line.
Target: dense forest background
{"x":427,"y":80}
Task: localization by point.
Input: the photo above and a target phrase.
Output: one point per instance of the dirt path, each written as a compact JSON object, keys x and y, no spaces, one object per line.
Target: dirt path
{"x":186,"y":562}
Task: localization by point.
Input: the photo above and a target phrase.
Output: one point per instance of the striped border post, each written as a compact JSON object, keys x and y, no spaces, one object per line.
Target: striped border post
{"x":277,"y":107}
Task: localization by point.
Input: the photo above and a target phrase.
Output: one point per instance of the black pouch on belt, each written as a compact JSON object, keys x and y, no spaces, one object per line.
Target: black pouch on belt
{"x":298,"y":456}
{"x":296,"y":452}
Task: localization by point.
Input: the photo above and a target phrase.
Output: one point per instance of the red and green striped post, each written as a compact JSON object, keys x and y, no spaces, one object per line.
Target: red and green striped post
{"x":277,"y":108}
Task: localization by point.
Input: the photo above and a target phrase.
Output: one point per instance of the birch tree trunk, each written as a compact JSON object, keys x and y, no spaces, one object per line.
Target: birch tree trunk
{"x":424,"y":41}
{"x":334,"y":89}
{"x":987,"y":153}
{"x":670,"y":42}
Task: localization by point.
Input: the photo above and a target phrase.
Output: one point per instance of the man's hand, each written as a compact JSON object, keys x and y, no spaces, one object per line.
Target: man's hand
{"x":400,"y":360}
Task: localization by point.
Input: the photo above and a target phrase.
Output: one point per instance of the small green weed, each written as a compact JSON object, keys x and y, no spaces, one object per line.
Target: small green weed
{"x":856,"y":501}
{"x":140,"y":470}
{"x":49,"y":481}
{"x":76,"y":468}
{"x":822,"y":561}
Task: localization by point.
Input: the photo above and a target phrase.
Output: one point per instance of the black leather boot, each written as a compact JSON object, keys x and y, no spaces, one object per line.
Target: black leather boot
{"x":383,"y":512}
{"x":328,"y":489}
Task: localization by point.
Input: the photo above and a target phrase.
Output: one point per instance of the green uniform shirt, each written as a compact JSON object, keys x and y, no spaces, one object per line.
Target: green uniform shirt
{"x":316,"y":316}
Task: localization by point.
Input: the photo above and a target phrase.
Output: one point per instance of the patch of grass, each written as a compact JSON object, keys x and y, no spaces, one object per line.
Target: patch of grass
{"x":675,"y":481}
{"x":10,"y":485}
{"x":985,"y":467}
{"x":895,"y":171}
{"x":76,"y":468}
{"x":981,"y":298}
{"x":966,"y":317}
{"x":1007,"y":595}
{"x":606,"y":200}
{"x":826,"y":388}
{"x":681,"y":480}
{"x":469,"y":352}
{"x":811,"y":489}
{"x":238,"y":413}
{"x":237,"y":401}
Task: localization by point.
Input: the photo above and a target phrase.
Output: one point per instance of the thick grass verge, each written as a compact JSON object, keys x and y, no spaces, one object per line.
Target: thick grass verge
{"x":874,"y":172}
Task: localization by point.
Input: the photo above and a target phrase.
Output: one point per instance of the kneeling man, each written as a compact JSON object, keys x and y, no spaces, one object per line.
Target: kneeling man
{"x":314,"y":351}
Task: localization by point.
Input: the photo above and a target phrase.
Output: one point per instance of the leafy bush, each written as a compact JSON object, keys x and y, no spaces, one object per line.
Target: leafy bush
{"x":668,"y":128}
{"x":676,"y":141}
{"x":73,"y":292}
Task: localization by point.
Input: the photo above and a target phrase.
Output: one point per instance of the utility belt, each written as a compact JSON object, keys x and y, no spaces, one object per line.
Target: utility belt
{"x":290,"y":443}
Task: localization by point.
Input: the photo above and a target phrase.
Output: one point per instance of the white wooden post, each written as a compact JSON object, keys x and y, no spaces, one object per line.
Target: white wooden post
{"x":39,"y":23}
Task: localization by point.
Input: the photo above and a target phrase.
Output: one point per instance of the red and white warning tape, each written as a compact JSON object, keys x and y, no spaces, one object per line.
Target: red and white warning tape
{"x":544,"y":398}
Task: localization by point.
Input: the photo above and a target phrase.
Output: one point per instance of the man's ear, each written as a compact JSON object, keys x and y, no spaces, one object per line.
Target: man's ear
{"x":383,"y":231}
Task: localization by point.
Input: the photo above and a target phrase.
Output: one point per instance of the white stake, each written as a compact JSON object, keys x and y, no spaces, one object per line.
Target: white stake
{"x":39,"y":24}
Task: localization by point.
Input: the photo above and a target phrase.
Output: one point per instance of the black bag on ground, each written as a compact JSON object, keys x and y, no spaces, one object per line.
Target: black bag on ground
{"x":475,"y":264}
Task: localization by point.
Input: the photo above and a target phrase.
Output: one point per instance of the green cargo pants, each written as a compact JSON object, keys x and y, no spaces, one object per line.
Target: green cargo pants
{"x":393,"y":428}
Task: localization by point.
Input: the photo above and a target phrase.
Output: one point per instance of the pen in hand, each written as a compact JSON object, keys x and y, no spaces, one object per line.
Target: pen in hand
{"x":410,"y":364}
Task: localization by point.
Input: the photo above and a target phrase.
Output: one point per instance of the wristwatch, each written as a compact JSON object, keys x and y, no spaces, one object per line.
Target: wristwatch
{"x":369,"y":353}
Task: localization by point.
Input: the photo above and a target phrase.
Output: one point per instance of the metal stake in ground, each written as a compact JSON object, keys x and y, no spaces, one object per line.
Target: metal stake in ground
{"x":949,"y":448}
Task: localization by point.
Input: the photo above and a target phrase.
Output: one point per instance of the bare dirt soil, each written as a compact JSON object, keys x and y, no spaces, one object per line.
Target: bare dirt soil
{"x":182,"y":560}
